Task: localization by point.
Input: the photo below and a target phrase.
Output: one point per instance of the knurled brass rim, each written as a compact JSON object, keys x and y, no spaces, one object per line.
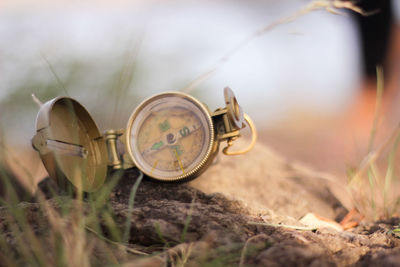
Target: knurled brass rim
{"x":202,"y":163}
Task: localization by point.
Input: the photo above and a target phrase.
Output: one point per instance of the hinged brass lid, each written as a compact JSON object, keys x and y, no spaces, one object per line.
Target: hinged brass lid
{"x":70,"y":144}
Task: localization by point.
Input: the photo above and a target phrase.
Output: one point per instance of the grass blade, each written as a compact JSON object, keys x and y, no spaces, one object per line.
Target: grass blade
{"x":132,"y":195}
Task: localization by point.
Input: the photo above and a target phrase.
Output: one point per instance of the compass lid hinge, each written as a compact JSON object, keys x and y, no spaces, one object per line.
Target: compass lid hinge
{"x":224,"y":129}
{"x":115,"y":160}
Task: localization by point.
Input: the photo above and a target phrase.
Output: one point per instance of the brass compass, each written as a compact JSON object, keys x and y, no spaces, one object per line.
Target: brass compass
{"x":170,"y":137}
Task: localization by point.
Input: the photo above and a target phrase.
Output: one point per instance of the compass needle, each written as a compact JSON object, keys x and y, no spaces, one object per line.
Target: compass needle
{"x":171,"y":137}
{"x":174,"y":121}
{"x":157,"y":145}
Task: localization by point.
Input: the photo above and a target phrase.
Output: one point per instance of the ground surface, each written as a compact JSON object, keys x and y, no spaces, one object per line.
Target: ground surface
{"x":265,"y":181}
{"x":219,"y":231}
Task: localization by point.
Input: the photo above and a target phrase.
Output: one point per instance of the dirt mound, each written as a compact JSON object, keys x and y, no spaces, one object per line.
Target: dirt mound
{"x":262,"y":180}
{"x":175,"y":223}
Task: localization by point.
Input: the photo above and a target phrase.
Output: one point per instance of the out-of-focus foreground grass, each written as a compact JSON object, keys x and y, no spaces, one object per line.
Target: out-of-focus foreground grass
{"x":110,"y":96}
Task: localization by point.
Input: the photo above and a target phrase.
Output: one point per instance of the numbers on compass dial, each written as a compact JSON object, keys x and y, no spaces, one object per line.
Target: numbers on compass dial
{"x":171,"y":136}
{"x":171,"y":139}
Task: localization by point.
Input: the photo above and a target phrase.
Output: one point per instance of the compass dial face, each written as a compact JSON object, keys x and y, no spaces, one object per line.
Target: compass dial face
{"x":170,"y":136}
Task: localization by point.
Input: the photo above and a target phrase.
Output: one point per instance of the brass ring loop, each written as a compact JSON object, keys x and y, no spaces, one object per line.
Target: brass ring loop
{"x":253,"y":130}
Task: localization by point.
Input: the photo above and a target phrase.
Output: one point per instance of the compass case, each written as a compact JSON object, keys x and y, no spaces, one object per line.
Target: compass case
{"x":70,"y":144}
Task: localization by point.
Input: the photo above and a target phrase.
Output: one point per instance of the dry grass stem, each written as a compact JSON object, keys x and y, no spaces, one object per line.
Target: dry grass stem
{"x":244,"y":250}
{"x":328,"y":5}
{"x":125,"y":78}
{"x":36,"y":100}
{"x":119,"y":245}
{"x":55,"y":75}
{"x":379,"y":185}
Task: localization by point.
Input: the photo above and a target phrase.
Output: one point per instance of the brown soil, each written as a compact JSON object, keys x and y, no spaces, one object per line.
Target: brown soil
{"x":264,"y":181}
{"x":220,"y":231}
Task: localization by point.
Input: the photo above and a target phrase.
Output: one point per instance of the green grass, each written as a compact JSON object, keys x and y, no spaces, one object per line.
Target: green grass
{"x":373,"y":191}
{"x":132,"y":195}
{"x":79,"y":226}
{"x":69,"y":231}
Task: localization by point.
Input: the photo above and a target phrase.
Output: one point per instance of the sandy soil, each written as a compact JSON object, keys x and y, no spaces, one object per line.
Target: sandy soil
{"x":220,"y":232}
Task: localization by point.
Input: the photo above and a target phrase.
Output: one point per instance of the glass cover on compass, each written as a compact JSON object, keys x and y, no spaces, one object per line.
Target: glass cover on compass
{"x":170,"y":136}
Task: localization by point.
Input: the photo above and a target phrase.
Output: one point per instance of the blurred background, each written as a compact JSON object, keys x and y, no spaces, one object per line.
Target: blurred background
{"x":304,"y":83}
